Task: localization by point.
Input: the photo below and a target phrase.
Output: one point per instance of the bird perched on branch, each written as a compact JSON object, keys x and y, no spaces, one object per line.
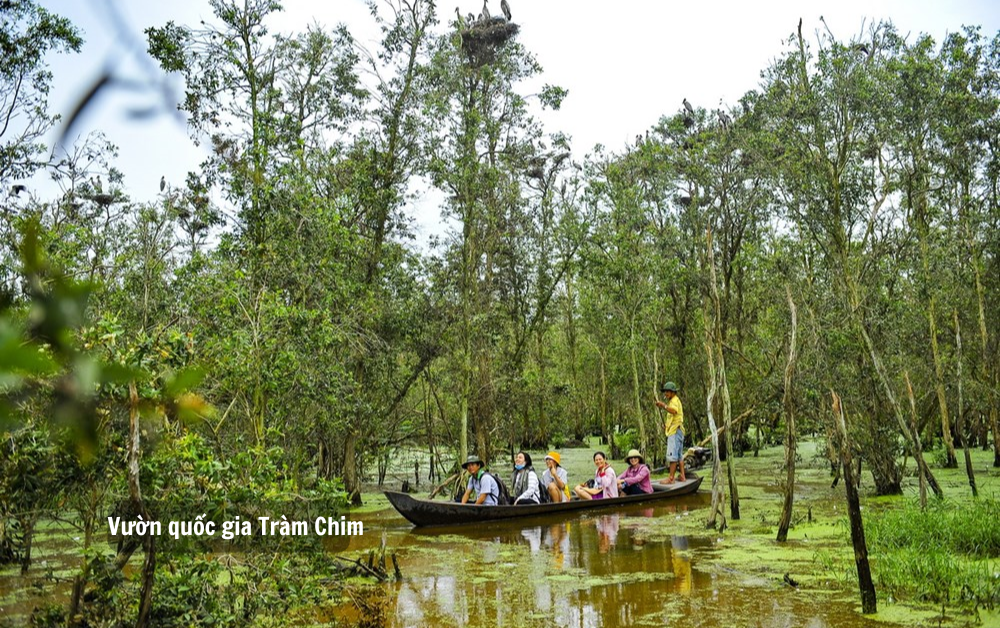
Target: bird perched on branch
{"x":724,"y":119}
{"x":163,"y":183}
{"x":485,"y":15}
{"x":470,"y":19}
{"x":688,"y":107}
{"x":505,"y":8}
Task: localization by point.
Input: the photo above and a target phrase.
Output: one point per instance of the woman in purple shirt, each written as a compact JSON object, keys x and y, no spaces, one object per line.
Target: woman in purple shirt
{"x":635,"y":479}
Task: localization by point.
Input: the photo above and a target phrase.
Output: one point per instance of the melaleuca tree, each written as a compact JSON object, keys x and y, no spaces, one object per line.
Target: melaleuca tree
{"x":484,"y":145}
{"x":28,"y":32}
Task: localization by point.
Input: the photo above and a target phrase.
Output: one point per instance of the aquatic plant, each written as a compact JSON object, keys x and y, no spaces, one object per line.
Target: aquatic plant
{"x":944,"y":554}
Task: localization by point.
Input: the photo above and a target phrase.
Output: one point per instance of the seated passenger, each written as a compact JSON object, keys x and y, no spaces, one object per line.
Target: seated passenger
{"x":524,"y":483}
{"x":481,"y":483}
{"x":635,"y":480}
{"x":554,"y":479}
{"x":605,"y":484}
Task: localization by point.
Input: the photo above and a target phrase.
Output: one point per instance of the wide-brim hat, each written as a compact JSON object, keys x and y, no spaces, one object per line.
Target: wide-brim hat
{"x":634,"y":453}
{"x":471,"y":459}
{"x":554,"y":455}
{"x":672,"y":387}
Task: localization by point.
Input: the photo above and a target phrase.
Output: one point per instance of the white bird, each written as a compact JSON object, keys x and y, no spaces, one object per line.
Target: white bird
{"x":505,"y":8}
{"x":486,"y":12}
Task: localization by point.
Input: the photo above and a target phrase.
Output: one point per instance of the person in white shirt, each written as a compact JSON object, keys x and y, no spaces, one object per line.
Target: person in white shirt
{"x":554,"y":479}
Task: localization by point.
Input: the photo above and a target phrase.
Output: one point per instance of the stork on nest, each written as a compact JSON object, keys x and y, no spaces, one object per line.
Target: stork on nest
{"x":481,"y":40}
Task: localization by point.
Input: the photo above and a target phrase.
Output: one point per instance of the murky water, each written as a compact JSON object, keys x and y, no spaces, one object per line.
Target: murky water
{"x":645,"y":565}
{"x":585,"y":570}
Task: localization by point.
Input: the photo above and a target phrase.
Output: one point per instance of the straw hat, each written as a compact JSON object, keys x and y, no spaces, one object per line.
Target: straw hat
{"x":554,"y":455}
{"x":634,"y":453}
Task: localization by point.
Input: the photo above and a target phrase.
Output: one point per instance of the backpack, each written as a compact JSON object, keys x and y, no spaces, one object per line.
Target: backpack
{"x":503,"y":499}
{"x":543,"y":494}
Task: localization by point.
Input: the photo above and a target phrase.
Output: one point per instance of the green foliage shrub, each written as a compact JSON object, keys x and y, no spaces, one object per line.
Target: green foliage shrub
{"x":625,"y":440}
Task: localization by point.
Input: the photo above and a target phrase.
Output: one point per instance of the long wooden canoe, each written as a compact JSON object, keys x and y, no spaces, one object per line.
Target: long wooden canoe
{"x":426,"y":512}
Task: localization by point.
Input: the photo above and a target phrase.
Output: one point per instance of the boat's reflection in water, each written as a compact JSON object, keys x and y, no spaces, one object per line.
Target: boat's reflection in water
{"x":608,"y":569}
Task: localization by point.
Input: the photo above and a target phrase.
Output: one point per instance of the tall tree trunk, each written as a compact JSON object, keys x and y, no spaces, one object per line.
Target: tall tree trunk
{"x":727,"y":413}
{"x":636,"y":393}
{"x":351,"y":483}
{"x":135,"y":494}
{"x":868,"y":599}
{"x":949,"y":444}
{"x":718,"y":492}
{"x":653,"y":455}
{"x":959,"y":417}
{"x":918,"y":205}
{"x":918,"y":453}
{"x":81,"y":579}
{"x":789,"y":406}
{"x":604,"y":397}
{"x":576,"y":408}
{"x":988,"y":382}
{"x":28,"y":525}
{"x":540,"y":429}
{"x":887,"y":388}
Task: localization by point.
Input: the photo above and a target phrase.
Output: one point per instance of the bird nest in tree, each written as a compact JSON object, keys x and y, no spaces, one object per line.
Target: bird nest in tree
{"x":481,"y":41}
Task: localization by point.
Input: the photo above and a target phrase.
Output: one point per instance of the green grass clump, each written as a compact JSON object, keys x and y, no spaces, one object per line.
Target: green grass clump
{"x":938,"y":577}
{"x":944,"y":554}
{"x":970,"y":528}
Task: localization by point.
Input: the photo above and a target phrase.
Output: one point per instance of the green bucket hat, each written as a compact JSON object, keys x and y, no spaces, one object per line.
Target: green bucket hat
{"x":471,"y":459}
{"x":672,"y":387}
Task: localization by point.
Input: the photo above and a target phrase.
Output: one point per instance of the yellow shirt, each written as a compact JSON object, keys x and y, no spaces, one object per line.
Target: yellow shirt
{"x":675,"y":421}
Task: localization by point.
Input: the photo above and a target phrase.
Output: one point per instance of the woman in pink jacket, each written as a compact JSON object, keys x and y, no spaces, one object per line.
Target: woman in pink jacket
{"x":605,"y":482}
{"x":635,"y":480}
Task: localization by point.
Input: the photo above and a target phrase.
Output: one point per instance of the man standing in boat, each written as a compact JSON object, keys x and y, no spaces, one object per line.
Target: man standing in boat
{"x":480,"y":482}
{"x":674,"y":429}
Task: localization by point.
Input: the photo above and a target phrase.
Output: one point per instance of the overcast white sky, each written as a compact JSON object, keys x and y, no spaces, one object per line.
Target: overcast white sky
{"x":624,"y":62}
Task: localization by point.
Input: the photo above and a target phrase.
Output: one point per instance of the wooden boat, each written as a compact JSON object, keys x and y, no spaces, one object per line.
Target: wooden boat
{"x":427,"y":512}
